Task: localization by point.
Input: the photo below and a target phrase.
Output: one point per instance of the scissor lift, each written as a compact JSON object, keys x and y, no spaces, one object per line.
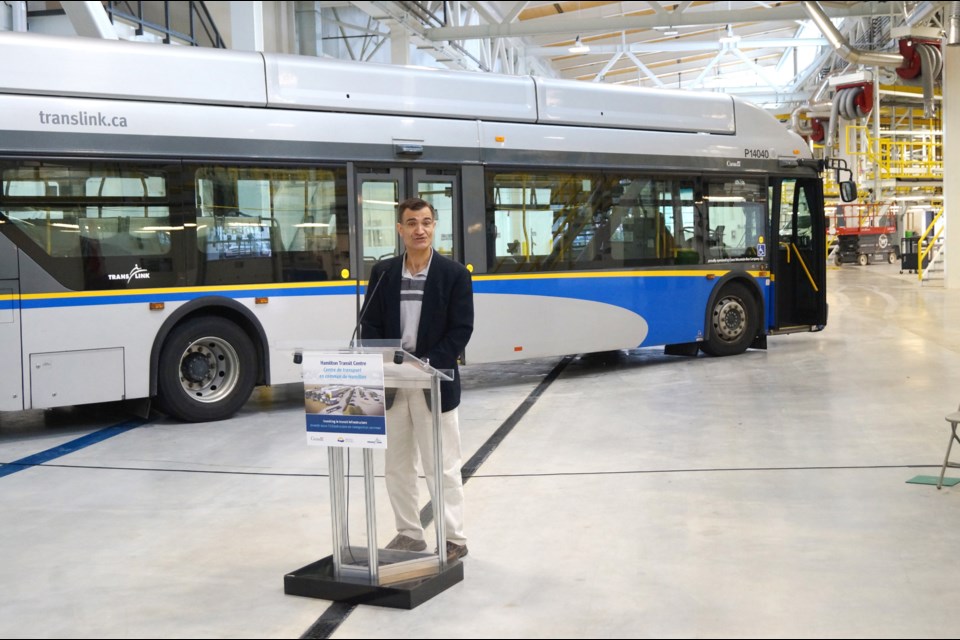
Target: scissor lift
{"x":865,"y":233}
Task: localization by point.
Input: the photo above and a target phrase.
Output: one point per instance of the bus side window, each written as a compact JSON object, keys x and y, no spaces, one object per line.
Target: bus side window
{"x":97,"y":212}
{"x":271,"y":224}
{"x":736,"y":217}
{"x":580,"y":221}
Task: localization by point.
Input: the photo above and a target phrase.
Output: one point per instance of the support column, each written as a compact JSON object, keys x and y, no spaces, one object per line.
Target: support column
{"x":246,"y":26}
{"x":90,"y":19}
{"x":951,"y":162}
{"x":18,"y":16}
{"x":308,"y":28}
{"x":399,"y":44}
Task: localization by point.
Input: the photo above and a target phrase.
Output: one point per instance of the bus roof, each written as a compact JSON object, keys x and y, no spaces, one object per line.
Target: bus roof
{"x":86,"y":67}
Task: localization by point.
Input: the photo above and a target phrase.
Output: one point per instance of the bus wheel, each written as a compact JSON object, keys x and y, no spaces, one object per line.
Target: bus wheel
{"x":207,"y":370}
{"x":863,"y":260}
{"x":892,"y":257}
{"x":733,"y":322}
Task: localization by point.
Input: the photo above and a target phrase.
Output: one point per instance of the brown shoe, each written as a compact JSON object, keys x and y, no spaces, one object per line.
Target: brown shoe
{"x":455,"y":551}
{"x":406,"y":543}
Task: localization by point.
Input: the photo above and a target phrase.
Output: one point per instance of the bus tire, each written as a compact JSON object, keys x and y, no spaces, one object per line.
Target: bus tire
{"x":863,"y":260}
{"x":733,"y":322}
{"x":892,"y":257}
{"x":207,"y":370}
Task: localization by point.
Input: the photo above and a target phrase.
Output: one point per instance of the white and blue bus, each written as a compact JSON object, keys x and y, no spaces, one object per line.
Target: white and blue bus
{"x":170,"y":215}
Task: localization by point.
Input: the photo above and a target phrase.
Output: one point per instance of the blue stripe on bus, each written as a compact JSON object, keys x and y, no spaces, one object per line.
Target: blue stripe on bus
{"x":82,"y":442}
{"x":613,"y":290}
{"x":634,"y":293}
{"x":176,"y":296}
{"x":674,"y":307}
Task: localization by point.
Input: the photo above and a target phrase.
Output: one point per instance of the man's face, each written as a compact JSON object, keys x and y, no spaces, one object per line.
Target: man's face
{"x":416,"y":229}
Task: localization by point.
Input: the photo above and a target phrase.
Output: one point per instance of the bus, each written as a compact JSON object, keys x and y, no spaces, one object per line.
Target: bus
{"x":170,"y":217}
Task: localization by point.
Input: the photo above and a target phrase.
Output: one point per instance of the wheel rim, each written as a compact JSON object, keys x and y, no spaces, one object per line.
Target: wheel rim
{"x":729,"y":319}
{"x":209,"y":369}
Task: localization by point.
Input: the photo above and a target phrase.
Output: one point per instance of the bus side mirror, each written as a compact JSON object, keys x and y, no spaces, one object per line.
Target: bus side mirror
{"x":848,"y":190}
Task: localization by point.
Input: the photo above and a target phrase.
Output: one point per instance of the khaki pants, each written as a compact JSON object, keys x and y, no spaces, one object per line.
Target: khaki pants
{"x":409,"y":430}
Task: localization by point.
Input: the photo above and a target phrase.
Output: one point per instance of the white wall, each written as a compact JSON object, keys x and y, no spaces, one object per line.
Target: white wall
{"x":951,"y":161}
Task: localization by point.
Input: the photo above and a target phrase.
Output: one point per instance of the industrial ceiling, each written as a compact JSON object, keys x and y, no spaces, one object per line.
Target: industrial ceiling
{"x":769,"y":52}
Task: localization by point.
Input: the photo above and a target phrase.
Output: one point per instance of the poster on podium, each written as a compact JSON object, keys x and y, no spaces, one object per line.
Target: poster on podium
{"x":344,"y":400}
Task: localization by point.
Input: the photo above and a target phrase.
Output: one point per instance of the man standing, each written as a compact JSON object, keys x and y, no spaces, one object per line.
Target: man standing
{"x":426,"y":301}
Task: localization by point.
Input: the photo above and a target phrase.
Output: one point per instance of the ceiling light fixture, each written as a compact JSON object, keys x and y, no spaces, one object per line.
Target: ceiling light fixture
{"x":579,"y":47}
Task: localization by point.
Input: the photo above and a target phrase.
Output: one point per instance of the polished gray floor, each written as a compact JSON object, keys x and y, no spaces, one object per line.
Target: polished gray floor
{"x":640,"y":496}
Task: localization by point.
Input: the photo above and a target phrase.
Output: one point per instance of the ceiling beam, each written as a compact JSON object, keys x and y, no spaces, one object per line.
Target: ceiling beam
{"x":567,"y":24}
{"x":679,"y":45}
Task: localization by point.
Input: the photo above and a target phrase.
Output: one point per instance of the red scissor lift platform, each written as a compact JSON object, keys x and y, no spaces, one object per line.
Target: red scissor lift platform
{"x":865,"y":233}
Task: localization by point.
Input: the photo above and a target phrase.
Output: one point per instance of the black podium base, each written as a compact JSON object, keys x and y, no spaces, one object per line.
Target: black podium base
{"x":316,"y":581}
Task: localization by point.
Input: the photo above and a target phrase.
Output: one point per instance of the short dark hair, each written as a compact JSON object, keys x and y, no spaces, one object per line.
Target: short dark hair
{"x":414,"y":204}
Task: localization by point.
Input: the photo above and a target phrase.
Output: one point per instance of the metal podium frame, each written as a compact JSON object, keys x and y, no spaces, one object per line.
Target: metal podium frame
{"x":360,"y":582}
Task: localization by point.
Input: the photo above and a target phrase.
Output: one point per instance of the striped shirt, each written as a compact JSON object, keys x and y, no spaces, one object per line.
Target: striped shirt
{"x":411,"y":301}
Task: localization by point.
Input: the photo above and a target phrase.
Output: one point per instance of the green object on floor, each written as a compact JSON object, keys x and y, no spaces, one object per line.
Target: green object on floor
{"x":947,"y":482}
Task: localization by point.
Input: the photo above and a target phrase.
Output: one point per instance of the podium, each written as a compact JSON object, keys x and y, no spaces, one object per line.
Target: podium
{"x":370,"y":575}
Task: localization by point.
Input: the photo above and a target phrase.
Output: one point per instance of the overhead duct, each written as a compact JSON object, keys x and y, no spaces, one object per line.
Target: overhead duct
{"x":797,"y":125}
{"x":812,"y":128}
{"x":842,"y":46}
{"x":816,"y":111}
{"x":916,"y":58}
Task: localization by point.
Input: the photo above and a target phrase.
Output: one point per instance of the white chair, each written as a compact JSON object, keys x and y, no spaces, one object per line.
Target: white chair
{"x":953,"y":419}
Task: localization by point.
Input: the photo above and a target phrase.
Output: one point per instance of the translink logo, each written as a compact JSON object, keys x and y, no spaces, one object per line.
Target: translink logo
{"x":137,"y":273}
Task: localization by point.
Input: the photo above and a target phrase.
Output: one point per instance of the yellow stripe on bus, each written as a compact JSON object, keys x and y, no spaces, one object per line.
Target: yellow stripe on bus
{"x":616,"y":274}
{"x":350,"y":283}
{"x":168,"y":290}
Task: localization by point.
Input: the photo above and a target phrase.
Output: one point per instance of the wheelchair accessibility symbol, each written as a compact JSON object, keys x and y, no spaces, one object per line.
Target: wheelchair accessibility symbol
{"x":761,"y":250}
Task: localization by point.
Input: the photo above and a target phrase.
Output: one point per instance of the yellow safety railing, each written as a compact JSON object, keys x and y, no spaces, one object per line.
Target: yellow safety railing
{"x":910,"y":158}
{"x":914,"y":156}
{"x":831,"y":240}
{"x":926,"y":243}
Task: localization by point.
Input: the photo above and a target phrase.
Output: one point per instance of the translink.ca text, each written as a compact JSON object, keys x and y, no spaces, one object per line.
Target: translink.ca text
{"x":83,"y":118}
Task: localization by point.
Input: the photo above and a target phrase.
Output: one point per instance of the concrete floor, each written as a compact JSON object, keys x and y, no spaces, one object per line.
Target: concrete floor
{"x":642,"y":495}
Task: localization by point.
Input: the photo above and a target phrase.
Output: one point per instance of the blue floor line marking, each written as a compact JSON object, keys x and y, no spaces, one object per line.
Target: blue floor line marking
{"x":8,"y":468}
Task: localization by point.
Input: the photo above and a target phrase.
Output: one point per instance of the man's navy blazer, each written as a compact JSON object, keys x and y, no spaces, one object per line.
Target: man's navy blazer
{"x":446,"y":316}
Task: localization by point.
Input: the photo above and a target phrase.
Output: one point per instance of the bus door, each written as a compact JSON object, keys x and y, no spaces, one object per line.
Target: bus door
{"x":11,"y":365}
{"x":379,"y":190}
{"x":800,"y":268}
